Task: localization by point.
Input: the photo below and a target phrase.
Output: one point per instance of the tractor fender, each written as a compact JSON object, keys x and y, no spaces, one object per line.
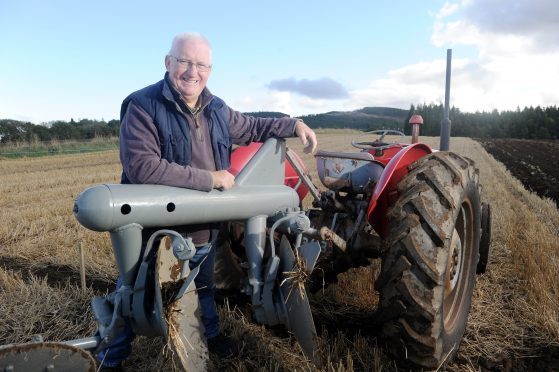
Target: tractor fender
{"x":242,"y":154}
{"x":396,"y":168}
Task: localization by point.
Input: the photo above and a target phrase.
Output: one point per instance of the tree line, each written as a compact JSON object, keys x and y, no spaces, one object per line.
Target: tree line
{"x":529,"y":123}
{"x":14,"y":131}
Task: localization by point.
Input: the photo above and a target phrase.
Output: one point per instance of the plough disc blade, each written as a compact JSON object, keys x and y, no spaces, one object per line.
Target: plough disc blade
{"x":294,"y":296}
{"x":184,"y":327}
{"x":45,"y":356}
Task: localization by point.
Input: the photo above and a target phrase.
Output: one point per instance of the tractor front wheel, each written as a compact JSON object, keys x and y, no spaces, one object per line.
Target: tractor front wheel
{"x":428,"y":273}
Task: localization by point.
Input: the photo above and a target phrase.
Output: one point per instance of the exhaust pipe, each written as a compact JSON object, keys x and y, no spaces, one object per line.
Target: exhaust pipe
{"x":445,"y":124}
{"x":416,"y":122}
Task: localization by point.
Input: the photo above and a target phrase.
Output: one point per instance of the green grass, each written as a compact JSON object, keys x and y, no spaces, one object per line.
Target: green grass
{"x":36,"y":149}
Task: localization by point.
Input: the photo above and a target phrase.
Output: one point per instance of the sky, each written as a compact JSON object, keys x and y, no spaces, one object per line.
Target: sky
{"x":62,"y":59}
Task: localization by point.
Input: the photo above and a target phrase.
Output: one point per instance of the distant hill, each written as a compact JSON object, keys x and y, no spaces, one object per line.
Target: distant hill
{"x":389,"y":112}
{"x":368,"y":118}
{"x":530,"y":123}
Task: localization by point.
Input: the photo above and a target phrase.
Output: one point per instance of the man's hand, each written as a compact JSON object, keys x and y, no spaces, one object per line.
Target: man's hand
{"x":222,"y":180}
{"x":306,"y":135}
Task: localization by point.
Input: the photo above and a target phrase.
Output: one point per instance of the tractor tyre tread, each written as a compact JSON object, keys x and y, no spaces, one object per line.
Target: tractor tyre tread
{"x":411,"y":282}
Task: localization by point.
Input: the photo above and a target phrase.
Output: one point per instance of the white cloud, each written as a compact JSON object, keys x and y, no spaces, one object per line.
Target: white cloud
{"x":537,"y":19}
{"x":289,"y":103}
{"x":274,"y":101}
{"x":512,"y":67}
{"x":516,"y":63}
{"x":447,"y":10}
{"x":418,"y":83}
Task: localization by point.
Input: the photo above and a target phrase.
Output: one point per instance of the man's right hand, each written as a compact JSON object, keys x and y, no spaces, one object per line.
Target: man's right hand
{"x":222,"y":180}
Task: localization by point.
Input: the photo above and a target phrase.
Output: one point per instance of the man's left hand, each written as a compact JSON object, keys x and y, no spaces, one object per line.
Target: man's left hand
{"x":307,"y":136}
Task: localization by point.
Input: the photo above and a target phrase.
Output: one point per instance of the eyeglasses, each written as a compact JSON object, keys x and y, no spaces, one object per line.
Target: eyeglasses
{"x":201,"y":67}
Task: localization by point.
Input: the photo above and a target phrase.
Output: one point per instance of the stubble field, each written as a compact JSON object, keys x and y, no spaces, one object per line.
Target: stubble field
{"x":513,"y":324}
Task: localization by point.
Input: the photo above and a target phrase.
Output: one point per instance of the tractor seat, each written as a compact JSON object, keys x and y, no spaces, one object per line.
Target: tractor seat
{"x":352,"y":172}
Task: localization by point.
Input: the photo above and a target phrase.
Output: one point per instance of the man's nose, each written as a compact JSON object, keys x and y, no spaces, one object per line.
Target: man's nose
{"x":191,"y":70}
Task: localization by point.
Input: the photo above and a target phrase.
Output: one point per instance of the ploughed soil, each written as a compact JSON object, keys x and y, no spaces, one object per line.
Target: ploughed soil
{"x":534,"y":162}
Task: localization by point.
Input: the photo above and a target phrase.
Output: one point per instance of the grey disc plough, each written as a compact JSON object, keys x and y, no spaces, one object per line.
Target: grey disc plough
{"x":185,"y":331}
{"x":297,"y":308}
{"x":45,"y":356}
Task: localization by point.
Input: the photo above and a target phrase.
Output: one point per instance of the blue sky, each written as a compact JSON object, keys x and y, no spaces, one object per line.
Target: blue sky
{"x":70,"y":59}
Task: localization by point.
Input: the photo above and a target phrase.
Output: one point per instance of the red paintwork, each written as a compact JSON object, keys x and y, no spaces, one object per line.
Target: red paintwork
{"x":242,"y":154}
{"x":388,"y":153}
{"x":396,"y":160}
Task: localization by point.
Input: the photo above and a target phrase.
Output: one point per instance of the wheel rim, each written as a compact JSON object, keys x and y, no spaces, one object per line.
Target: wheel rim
{"x":458,"y":268}
{"x":454,"y":265}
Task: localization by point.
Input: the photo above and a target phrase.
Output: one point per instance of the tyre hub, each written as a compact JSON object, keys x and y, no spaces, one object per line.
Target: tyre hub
{"x":458,"y":269}
{"x":454,"y":263}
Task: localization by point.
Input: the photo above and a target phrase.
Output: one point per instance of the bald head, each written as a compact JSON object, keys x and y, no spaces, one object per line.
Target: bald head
{"x":185,"y":38}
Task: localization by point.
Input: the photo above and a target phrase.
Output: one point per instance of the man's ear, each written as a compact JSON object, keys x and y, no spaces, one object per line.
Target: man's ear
{"x":167,"y":62}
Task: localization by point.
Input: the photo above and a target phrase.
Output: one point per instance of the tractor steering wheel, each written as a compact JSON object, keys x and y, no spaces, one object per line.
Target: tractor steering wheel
{"x":377,"y":144}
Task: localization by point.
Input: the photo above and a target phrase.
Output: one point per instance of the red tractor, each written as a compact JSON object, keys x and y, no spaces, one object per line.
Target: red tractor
{"x":417,"y":209}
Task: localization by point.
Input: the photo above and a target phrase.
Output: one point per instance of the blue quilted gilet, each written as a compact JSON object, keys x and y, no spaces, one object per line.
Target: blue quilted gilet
{"x":173,"y":129}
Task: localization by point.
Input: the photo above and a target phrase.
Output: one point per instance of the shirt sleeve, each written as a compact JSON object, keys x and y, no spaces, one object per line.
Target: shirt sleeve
{"x":245,"y":129}
{"x":140,"y":155}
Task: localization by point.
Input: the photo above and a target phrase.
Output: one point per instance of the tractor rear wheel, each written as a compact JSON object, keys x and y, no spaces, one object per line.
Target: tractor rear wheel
{"x":428,"y":273}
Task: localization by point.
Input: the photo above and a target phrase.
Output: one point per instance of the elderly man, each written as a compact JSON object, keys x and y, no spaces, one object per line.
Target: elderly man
{"x":176,"y":133}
